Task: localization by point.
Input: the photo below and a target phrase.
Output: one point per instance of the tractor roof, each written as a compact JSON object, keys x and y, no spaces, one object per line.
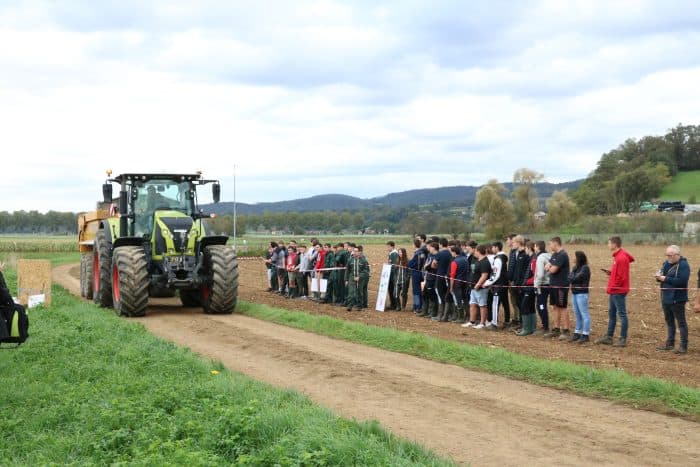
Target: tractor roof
{"x":144,"y":177}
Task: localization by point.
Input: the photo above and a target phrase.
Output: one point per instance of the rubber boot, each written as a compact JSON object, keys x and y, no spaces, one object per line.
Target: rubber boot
{"x":461,"y":314}
{"x":528,"y":325}
{"x":432,"y":310}
{"x":453,"y":315}
{"x":448,"y":311}
{"x":438,"y":311}
{"x":423,"y":312}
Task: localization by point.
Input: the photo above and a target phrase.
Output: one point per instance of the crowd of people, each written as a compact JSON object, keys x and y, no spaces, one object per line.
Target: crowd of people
{"x":487,"y":286}
{"x":337,"y":275}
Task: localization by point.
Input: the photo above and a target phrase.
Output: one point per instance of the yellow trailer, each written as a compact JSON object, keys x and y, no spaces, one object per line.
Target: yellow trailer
{"x":88,"y":224}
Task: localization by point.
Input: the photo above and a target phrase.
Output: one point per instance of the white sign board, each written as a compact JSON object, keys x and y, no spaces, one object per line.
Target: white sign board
{"x":319,"y":286}
{"x":35,"y":300}
{"x":383,"y":287}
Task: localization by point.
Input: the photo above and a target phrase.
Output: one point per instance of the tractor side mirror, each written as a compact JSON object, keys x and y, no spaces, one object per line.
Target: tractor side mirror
{"x":216,"y":192}
{"x":107,"y":193}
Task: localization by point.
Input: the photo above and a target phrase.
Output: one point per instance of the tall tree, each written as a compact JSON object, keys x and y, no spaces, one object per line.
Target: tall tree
{"x":493,"y":210}
{"x":525,"y":199}
{"x":561,"y":210}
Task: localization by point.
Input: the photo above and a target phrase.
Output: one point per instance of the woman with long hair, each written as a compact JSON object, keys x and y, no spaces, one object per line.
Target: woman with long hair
{"x":403,"y":279}
{"x":580,"y":278}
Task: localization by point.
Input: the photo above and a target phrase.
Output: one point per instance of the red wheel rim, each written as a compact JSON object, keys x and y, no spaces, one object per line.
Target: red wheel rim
{"x":115,"y":283}
{"x":96,"y":272}
{"x":206,"y":292}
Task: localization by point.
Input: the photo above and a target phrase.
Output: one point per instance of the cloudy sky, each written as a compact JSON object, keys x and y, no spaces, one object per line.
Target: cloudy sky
{"x":312,"y":97}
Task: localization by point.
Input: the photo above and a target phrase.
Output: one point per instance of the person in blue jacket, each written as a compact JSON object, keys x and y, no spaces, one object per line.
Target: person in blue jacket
{"x":416,"y":268}
{"x":673,"y":278}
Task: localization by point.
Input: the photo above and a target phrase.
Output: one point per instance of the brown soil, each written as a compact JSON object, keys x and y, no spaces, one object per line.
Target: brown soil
{"x":647,"y":327}
{"x":467,"y":415}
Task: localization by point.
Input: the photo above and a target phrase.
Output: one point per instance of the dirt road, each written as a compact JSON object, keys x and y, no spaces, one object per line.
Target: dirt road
{"x":469,"y":416}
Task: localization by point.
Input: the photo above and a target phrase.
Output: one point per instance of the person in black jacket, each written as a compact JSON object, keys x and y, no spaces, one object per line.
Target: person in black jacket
{"x":517,"y":271}
{"x":673,"y":278}
{"x":580,"y":279}
{"x":415,"y":267}
{"x":7,"y":305}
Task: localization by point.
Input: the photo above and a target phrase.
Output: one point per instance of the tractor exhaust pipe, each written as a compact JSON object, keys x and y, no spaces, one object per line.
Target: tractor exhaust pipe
{"x":123,"y":212}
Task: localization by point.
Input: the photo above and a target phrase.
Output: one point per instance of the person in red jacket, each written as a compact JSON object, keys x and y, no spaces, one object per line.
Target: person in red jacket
{"x":618,"y":287}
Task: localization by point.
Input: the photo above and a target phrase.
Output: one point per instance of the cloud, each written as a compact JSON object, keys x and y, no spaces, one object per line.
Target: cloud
{"x":314,"y":96}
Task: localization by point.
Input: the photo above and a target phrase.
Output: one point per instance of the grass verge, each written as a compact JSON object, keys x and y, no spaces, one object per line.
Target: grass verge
{"x":90,"y":388}
{"x":640,"y":392}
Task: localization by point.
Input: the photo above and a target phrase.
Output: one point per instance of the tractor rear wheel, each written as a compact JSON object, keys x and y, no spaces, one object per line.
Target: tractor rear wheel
{"x":82,"y":275}
{"x":220,"y":290}
{"x":191,"y":298}
{"x":130,"y":281}
{"x":89,"y":257}
{"x":102,"y":271}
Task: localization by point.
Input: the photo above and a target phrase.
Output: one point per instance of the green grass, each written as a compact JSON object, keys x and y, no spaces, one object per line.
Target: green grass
{"x":683,"y":186}
{"x":89,"y":388}
{"x":639,"y":392}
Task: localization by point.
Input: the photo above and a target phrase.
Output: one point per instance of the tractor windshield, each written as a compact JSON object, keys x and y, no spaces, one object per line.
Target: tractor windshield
{"x":155,"y":195}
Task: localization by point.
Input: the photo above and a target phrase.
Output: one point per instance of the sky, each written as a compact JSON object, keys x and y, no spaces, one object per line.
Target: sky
{"x":311,"y":97}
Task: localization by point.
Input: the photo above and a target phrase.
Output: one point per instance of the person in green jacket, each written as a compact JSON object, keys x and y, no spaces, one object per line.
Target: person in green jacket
{"x":364,"y":277}
{"x":357,"y":274}
{"x":341,"y":261}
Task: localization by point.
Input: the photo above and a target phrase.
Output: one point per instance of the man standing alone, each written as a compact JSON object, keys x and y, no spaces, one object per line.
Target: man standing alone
{"x":673,"y":277}
{"x":618,"y":288}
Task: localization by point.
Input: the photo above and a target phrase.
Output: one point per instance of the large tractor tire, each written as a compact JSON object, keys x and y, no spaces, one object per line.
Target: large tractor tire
{"x":89,"y":284}
{"x":86,"y":278}
{"x":191,"y":298}
{"x":83,"y":277}
{"x":130,"y":281}
{"x":102,"y":271}
{"x":220,"y":290}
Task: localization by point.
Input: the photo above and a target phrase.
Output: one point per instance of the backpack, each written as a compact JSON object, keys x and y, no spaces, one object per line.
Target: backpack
{"x":14,"y":325}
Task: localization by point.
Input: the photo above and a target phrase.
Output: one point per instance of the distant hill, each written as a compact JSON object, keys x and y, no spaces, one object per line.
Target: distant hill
{"x":463,"y":195}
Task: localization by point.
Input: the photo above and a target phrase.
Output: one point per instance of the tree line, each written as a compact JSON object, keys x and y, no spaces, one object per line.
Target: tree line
{"x":35,"y":222}
{"x":637,"y":170}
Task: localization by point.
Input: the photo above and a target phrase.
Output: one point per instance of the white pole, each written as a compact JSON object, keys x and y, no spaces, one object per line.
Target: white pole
{"x":234,"y":206}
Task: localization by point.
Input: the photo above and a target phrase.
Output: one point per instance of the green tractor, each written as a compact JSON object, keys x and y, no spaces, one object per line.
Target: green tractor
{"x":157,"y":246}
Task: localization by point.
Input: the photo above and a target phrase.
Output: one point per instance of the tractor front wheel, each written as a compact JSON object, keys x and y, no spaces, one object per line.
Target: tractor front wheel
{"x":130,"y":281}
{"x":220,"y":290}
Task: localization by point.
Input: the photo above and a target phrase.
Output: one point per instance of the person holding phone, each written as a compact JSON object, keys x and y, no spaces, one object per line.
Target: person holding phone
{"x":618,"y":288}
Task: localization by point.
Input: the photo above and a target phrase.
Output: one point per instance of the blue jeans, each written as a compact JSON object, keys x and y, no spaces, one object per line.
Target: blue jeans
{"x":583,"y":316}
{"x":617,"y":308}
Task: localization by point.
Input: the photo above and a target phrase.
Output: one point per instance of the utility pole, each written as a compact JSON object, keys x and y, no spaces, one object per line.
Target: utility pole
{"x":234,"y":207}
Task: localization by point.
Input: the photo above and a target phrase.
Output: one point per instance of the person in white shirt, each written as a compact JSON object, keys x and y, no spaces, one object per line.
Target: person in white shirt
{"x":542,"y":286}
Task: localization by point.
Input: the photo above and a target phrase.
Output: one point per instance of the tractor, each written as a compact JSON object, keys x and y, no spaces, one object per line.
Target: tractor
{"x":156,"y":245}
